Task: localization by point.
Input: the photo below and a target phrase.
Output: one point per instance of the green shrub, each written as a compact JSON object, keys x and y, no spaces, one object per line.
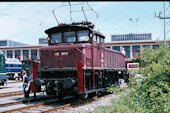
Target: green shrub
{"x":116,"y":89}
{"x":125,"y":104}
{"x":150,"y":92}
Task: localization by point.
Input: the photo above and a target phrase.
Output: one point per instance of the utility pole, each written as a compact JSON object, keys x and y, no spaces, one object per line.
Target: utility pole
{"x":164,"y":17}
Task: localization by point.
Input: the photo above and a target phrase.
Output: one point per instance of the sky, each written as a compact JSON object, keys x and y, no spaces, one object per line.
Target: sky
{"x":26,"y":21}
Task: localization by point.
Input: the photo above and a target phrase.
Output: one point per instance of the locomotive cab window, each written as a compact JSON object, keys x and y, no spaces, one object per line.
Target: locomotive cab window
{"x":102,"y":40}
{"x":83,"y":35}
{"x":56,"y":38}
{"x":69,"y":37}
{"x":94,"y":38}
{"x":98,"y":39}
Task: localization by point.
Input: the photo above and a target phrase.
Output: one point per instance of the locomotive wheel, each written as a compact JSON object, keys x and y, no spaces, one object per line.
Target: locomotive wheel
{"x":98,"y":93}
{"x":50,"y":92}
{"x":84,"y":96}
{"x":49,"y":89}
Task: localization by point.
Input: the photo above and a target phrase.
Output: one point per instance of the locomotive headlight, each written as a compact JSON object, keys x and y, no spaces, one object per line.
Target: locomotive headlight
{"x":119,"y":72}
{"x":91,"y":35}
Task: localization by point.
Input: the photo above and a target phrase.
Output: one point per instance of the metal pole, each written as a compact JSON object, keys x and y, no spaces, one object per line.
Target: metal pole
{"x":164,"y":25}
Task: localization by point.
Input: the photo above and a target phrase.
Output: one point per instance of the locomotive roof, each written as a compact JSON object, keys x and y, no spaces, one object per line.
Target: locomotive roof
{"x":66,"y":27}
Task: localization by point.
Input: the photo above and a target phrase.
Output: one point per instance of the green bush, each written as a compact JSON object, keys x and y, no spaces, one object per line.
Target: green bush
{"x":116,"y":89}
{"x":125,"y":104}
{"x":150,"y":92}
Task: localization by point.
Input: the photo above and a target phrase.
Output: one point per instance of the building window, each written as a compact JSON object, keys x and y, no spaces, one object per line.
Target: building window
{"x":127,"y":50}
{"x":4,"y":52}
{"x":25,"y":54}
{"x":143,"y":46}
{"x":9,"y":54}
{"x":116,"y":48}
{"x":43,"y":41}
{"x":34,"y":54}
{"x":135,"y":50}
{"x":3,"y":43}
{"x":155,"y":46}
{"x":108,"y":47}
{"x":18,"y":54}
{"x":10,"y":43}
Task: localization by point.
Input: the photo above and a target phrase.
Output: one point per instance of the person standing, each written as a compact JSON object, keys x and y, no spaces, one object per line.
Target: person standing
{"x":25,"y":84}
{"x":31,"y":81}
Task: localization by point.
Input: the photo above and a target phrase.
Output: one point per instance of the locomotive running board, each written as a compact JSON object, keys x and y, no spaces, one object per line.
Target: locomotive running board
{"x":114,"y":70}
{"x":92,"y":90}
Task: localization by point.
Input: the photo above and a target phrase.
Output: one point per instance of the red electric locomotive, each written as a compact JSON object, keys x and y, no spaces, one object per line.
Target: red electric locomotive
{"x":76,"y":61}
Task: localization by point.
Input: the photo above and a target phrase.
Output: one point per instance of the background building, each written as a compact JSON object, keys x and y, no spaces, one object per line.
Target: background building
{"x":130,"y":37}
{"x":10,"y":43}
{"x":22,"y":52}
{"x":43,"y":41}
{"x":132,"y":47}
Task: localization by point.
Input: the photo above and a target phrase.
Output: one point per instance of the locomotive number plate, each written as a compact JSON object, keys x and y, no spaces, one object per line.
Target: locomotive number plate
{"x":57,"y":53}
{"x":62,"y":53}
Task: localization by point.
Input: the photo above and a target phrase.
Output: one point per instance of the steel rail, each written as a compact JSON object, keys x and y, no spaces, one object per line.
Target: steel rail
{"x":62,"y":107}
{"x":57,"y":108}
{"x":25,"y":101}
{"x":11,"y":94}
{"x":29,"y":107}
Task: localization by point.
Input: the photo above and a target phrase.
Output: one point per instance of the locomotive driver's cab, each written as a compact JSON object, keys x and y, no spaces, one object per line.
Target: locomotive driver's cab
{"x":74,"y":33}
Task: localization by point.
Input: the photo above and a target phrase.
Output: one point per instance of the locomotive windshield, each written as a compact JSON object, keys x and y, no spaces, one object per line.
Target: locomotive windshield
{"x":70,"y":37}
{"x":56,"y":38}
{"x":83,"y":35}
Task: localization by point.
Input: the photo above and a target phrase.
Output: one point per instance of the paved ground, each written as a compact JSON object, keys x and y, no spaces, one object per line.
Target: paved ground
{"x":11,"y":86}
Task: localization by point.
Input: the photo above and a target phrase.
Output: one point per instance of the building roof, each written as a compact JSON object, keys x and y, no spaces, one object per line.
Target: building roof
{"x":130,"y":33}
{"x":19,"y":47}
{"x":14,"y":43}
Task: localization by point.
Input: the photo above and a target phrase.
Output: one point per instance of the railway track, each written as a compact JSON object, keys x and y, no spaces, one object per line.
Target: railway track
{"x":11,"y":82}
{"x":26,"y":101}
{"x":52,"y":105}
{"x":37,"y":105}
{"x":68,"y":105}
{"x":11,"y":94}
{"x":3,"y":87}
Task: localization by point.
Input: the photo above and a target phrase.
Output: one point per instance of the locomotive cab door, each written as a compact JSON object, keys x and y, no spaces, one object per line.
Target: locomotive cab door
{"x":98,"y":75}
{"x":100,"y":43}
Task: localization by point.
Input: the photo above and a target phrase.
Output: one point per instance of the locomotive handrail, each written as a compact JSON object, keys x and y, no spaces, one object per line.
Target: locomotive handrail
{"x":79,"y":50}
